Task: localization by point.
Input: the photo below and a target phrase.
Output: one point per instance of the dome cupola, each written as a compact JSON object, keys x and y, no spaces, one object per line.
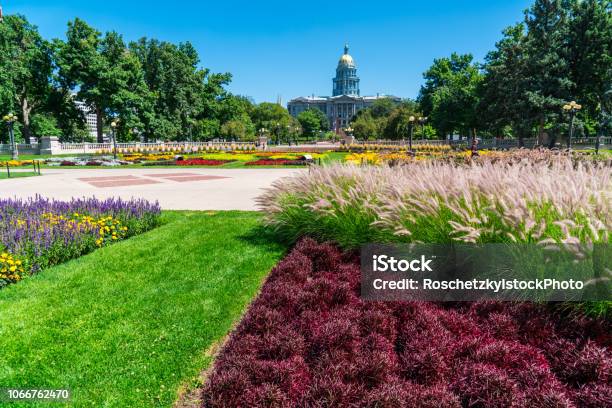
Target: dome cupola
{"x":346,"y":60}
{"x":346,"y":81}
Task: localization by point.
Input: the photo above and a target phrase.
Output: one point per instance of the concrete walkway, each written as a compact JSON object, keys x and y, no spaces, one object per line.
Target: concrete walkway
{"x":175,"y":189}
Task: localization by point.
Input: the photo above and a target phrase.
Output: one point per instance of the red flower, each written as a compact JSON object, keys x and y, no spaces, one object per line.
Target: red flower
{"x":201,"y":162}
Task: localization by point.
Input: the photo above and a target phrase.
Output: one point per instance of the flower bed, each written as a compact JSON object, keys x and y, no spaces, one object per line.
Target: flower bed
{"x":276,"y":162}
{"x":399,"y":147}
{"x":308,"y":340}
{"x":39,"y":233}
{"x":17,"y":163}
{"x":202,"y":162}
{"x":85,"y":161}
{"x":139,"y":157}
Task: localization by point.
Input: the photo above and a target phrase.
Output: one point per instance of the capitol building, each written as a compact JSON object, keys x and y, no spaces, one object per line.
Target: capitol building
{"x":346,"y":99}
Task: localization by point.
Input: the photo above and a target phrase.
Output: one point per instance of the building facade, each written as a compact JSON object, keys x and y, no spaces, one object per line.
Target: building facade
{"x":91,"y":121}
{"x":346,"y":99}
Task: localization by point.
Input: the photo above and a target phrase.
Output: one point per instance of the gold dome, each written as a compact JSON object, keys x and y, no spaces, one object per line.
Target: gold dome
{"x":346,"y":59}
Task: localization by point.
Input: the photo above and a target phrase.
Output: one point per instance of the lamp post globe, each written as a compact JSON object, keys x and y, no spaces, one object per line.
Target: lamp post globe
{"x":10,"y":120}
{"x":422,"y":121}
{"x":571,"y":108}
{"x":114,"y":135}
{"x":411,"y":120}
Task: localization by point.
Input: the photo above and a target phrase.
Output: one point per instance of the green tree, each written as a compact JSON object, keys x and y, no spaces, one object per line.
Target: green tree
{"x":231,"y":107}
{"x":25,"y":70}
{"x":80,"y":66}
{"x":126,"y":94}
{"x":450,"y":94}
{"x":547,"y":72}
{"x":188,"y":101}
{"x":382,"y":107}
{"x":365,"y":126}
{"x":108,"y":77}
{"x":271,"y":116}
{"x":398,"y":124}
{"x":590,"y":54}
{"x":313,"y":121}
{"x":502,"y":91}
{"x":241,"y":129}
{"x":44,"y":125}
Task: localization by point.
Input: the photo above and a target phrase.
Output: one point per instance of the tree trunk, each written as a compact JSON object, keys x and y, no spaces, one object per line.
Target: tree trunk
{"x":99,"y":125}
{"x":25,"y":115}
{"x":540,"y":128}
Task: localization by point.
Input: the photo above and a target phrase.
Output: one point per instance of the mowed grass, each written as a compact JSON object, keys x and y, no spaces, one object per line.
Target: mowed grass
{"x":129,"y":325}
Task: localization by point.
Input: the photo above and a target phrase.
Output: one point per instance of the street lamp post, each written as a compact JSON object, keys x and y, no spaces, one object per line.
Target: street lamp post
{"x":262,"y":133}
{"x":572,"y":108}
{"x":297,"y":135}
{"x":10,"y":119}
{"x":113,"y":132}
{"x":349,"y":132}
{"x":410,"y":127}
{"x":278,"y":131}
{"x":422,"y":121}
{"x":289,"y":128}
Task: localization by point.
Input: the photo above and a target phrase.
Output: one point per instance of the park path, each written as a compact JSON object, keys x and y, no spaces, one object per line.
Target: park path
{"x":175,"y":189}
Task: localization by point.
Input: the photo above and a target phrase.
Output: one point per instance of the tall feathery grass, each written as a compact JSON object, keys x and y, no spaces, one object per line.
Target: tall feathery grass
{"x":557,"y":200}
{"x":539,"y":198}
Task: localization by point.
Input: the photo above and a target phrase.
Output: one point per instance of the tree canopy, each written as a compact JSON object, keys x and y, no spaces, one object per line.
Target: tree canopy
{"x":561,"y":51}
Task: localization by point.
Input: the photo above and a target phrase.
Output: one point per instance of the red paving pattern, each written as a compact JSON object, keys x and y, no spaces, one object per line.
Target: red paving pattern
{"x":88,"y":179}
{"x":123,"y":181}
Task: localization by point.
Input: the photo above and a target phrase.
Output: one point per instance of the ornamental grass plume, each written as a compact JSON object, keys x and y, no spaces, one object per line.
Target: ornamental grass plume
{"x":527,"y":196}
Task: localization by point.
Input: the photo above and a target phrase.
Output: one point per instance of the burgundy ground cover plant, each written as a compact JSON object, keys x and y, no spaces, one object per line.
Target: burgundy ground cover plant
{"x":308,"y":340}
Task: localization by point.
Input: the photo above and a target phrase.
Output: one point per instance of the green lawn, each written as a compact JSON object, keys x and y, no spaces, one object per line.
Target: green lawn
{"x":15,"y":174}
{"x":129,"y":325}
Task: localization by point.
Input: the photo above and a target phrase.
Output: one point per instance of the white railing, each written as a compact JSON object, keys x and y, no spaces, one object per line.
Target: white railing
{"x":28,"y":147}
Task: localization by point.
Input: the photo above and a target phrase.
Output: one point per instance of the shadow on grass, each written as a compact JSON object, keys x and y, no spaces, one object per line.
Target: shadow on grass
{"x":263,"y":236}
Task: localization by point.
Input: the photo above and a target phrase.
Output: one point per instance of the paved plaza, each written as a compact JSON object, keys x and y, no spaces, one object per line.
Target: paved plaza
{"x":175,"y":189}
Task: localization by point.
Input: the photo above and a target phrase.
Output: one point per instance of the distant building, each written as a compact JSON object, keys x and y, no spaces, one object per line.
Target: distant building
{"x":346,"y":99}
{"x":91,"y":121}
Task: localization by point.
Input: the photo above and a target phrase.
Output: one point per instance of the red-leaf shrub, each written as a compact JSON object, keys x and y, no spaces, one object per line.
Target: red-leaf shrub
{"x":593,"y":396}
{"x":486,"y":386}
{"x":310,"y":341}
{"x":201,"y":162}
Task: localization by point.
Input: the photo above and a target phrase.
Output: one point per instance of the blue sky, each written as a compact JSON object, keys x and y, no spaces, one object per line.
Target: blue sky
{"x":291,"y":48}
